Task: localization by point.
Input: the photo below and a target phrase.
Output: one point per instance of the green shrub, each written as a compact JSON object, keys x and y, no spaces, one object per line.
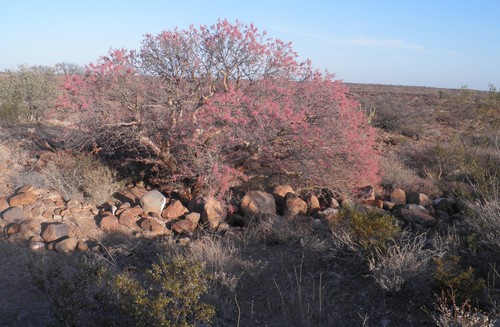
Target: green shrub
{"x":169,"y":294}
{"x":371,"y":229}
{"x":450,"y":275}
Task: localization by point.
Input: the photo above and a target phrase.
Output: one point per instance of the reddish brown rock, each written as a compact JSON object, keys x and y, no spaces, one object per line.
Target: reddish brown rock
{"x":128,"y":219}
{"x":67,"y":245}
{"x":378,"y":203}
{"x":55,"y":231}
{"x":367,"y":194}
{"x":184,"y":227}
{"x":398,"y":196}
{"x":294,"y":205}
{"x":25,"y":188}
{"x":213,"y":213}
{"x":153,"y":226}
{"x":36,"y":243}
{"x":73,"y":203}
{"x":313,"y":205}
{"x":194,"y":217}
{"x":109,"y":223}
{"x":31,"y":227}
{"x":13,"y":215}
{"x":82,"y":246}
{"x":174,"y":210}
{"x":417,"y":217}
{"x":21,"y":199}
{"x":279,"y":193}
{"x":258,"y":203}
{"x":3,"y":204}
{"x":418,"y":198}
{"x":11,"y":228}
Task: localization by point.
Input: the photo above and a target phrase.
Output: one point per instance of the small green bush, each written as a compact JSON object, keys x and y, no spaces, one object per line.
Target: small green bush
{"x":371,"y":229}
{"x":450,"y":275}
{"x":169,"y":294}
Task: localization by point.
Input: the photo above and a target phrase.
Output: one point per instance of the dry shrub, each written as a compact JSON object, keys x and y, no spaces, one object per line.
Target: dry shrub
{"x":75,"y":176}
{"x":276,"y":229}
{"x":220,"y":257}
{"x":402,"y":262}
{"x":448,"y":313}
{"x":484,"y":219}
{"x":397,"y":174}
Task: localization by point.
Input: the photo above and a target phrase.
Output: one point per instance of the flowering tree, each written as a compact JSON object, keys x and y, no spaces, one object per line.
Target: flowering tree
{"x":224,"y":102}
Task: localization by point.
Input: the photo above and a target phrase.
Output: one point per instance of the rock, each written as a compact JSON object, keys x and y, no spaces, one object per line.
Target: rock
{"x":313,"y":205}
{"x":367,"y":193}
{"x":128,"y":219}
{"x":153,"y":202}
{"x":445,"y":204}
{"x":213,"y":214}
{"x":67,"y":245}
{"x":294,"y":205}
{"x":13,"y":215}
{"x":82,"y":246}
{"x":73,"y":203}
{"x":184,"y":227}
{"x":153,"y":226}
{"x":109,"y":223}
{"x":11,"y":228}
{"x":443,"y":216}
{"x":279,"y":193}
{"x":417,"y":207}
{"x":194,"y":217}
{"x":137,"y":210}
{"x":378,"y":204}
{"x":388,"y":205}
{"x":398,"y":196}
{"x":415,"y":217}
{"x":55,"y":231}
{"x":334,"y":203}
{"x":36,"y":243}
{"x":21,"y":199}
{"x":174,"y":210}
{"x":223,"y":227}
{"x":418,"y":198}
{"x":258,"y":203}
{"x":36,"y":211}
{"x":25,"y":188}
{"x":31,"y":227}
{"x":3,"y":204}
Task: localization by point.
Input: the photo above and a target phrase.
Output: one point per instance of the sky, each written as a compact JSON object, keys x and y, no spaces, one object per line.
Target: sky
{"x":435,"y":43}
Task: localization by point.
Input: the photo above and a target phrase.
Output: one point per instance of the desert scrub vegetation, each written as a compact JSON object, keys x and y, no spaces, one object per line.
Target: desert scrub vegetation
{"x":168,"y":294}
{"x":78,"y":175}
{"x":26,"y":94}
{"x":408,"y":260}
{"x":370,"y":229}
{"x":204,"y":116}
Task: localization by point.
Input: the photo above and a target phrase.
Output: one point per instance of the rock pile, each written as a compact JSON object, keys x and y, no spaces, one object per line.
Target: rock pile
{"x":46,"y":221}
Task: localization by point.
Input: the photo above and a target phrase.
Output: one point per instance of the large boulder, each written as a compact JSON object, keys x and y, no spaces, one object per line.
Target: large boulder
{"x":21,"y":199}
{"x":418,"y":198}
{"x":294,"y":205}
{"x":415,"y":216}
{"x":258,"y":203}
{"x":398,"y":196}
{"x":55,"y":231}
{"x":153,"y":226}
{"x":109,"y":223}
{"x":13,"y":215}
{"x":213,"y":214}
{"x":67,"y":245}
{"x":313,"y":205}
{"x":279,"y":193}
{"x":153,"y":202}
{"x":184,"y":227}
{"x":174,"y":210}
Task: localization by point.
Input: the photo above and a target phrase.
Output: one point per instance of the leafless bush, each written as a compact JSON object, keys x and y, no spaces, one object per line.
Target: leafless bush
{"x":484,"y":219}
{"x":448,"y":313}
{"x":400,"y":263}
{"x":220,"y":257}
{"x":274,"y":228}
{"x":448,"y":242}
{"x":76,"y":176}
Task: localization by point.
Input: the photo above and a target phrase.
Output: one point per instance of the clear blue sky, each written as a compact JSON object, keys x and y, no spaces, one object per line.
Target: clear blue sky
{"x":436,"y":43}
